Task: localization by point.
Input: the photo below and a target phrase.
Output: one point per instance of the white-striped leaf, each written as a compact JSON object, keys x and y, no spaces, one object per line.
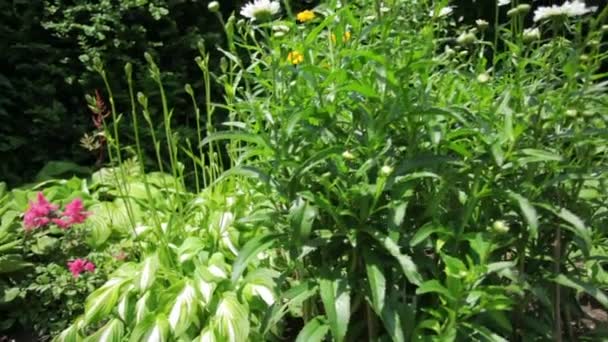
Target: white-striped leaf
{"x":207,"y":335}
{"x":141,"y":307}
{"x":205,"y":287}
{"x":113,"y":331}
{"x":147,"y":275}
{"x":184,"y":309}
{"x":101,"y":302}
{"x":232,"y":319}
{"x":152,"y":329}
{"x":126,"y":306}
{"x":69,"y":335}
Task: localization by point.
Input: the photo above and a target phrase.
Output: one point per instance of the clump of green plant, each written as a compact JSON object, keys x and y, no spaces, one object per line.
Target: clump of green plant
{"x":55,"y":250}
{"x":389,"y":179}
{"x":422,"y":188}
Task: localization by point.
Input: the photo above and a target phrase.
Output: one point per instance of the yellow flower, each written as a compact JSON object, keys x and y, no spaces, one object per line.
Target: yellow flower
{"x":295,"y":57}
{"x":345,"y":37}
{"x":305,"y":16}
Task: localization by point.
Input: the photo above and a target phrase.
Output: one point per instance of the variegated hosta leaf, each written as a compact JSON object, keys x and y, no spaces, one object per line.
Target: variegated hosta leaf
{"x":141,"y":307}
{"x":261,"y":291}
{"x":216,"y":270}
{"x":190,"y":248}
{"x":69,"y":335}
{"x":126,"y":305}
{"x":113,"y":331}
{"x":184,"y":309}
{"x":232,"y":321}
{"x":205,"y":286}
{"x":152,"y":329}
{"x":148,"y":273}
{"x":101,"y":302}
{"x":260,"y":283}
{"x":207,"y":335}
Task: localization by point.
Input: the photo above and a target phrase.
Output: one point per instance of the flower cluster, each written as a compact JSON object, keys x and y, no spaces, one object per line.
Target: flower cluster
{"x":79,"y":266}
{"x":260,"y":10}
{"x":41,"y":213}
{"x":568,"y":9}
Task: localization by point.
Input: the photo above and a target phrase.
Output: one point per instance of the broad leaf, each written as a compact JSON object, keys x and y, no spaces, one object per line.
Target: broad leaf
{"x":314,"y":331}
{"x":336,"y":301}
{"x":251,"y":250}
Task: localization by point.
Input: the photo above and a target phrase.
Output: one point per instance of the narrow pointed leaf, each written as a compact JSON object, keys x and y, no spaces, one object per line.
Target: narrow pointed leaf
{"x":314,"y":331}
{"x":336,"y":301}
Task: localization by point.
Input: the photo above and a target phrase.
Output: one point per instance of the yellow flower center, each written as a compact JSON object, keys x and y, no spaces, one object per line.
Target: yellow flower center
{"x":295,"y":57}
{"x":305,"y":16}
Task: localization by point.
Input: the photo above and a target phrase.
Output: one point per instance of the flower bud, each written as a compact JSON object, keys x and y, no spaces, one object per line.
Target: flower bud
{"x":483,"y":78}
{"x":512,"y":12}
{"x":500,"y":227}
{"x":482,"y":24}
{"x":523,"y":9}
{"x":466,"y":38}
{"x":213,"y":6}
{"x":348,"y":155}
{"x":386,"y":170}
{"x":531,"y":34}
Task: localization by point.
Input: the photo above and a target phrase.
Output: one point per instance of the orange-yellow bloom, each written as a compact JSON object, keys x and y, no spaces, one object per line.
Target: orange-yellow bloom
{"x":295,"y":57}
{"x":345,"y":37}
{"x":305,"y":16}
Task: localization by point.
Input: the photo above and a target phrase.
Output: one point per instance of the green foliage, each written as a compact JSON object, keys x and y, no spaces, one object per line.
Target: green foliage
{"x":397,"y":155}
{"x":387,"y":181}
{"x":38,"y":292}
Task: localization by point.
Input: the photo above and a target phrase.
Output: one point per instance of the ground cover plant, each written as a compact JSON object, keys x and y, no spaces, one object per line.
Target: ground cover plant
{"x":384,"y":174}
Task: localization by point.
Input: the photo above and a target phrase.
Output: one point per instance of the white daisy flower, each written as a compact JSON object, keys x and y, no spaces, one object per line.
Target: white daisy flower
{"x":444,"y":11}
{"x":260,"y":10}
{"x":568,"y":9}
{"x":503,"y":2}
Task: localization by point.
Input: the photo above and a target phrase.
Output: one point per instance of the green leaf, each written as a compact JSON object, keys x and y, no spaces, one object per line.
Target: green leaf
{"x":147,"y":274}
{"x":376,"y":281}
{"x":151,"y":329}
{"x":577,"y":226}
{"x":12,"y":262}
{"x":434,"y":286}
{"x":301,"y":217}
{"x":581,"y":286}
{"x":69,"y":335}
{"x":232,"y":319}
{"x":291,"y":298}
{"x":535,"y":155}
{"x":407,"y":265}
{"x":235,"y":135}
{"x":113,"y":331}
{"x":336,"y":301}
{"x":314,"y":331}
{"x":251,"y":250}
{"x":424,"y":232}
{"x":529,"y":213}
{"x":184,"y":309}
{"x":102,"y":301}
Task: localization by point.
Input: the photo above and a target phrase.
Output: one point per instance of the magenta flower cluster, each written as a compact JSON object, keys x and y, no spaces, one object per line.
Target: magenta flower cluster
{"x":41,"y":213}
{"x":79,"y":266}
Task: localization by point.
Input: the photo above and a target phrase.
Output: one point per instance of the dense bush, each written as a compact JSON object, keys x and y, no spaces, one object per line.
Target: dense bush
{"x":383,"y":172}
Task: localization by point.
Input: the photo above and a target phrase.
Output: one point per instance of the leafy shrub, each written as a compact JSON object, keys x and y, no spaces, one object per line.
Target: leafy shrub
{"x":392,"y":183}
{"x":424,"y":190}
{"x":50,"y":257}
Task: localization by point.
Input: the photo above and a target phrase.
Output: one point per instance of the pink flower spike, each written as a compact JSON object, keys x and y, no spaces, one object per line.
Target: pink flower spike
{"x":89,"y":267}
{"x":79,"y":266}
{"x":74,"y":212}
{"x":61,"y":223}
{"x":37,"y":213}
